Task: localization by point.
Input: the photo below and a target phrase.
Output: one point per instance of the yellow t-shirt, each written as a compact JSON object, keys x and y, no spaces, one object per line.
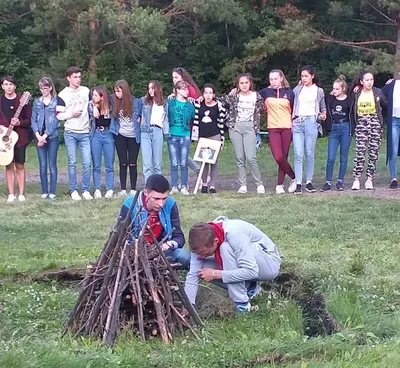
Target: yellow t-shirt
{"x":366,"y":104}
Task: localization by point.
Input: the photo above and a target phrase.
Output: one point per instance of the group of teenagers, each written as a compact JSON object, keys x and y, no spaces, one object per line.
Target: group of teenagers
{"x":98,"y":124}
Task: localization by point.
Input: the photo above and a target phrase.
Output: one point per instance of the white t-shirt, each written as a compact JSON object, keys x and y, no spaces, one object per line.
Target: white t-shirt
{"x":246,"y":106}
{"x":308,"y":100}
{"x":157,"y":115}
{"x":396,"y":99}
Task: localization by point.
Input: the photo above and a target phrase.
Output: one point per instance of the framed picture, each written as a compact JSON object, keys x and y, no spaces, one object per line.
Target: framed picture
{"x":207,"y":150}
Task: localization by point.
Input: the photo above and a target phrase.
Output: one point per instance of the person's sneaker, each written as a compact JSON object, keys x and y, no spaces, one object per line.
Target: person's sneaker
{"x":97,"y":194}
{"x":310,"y":188}
{"x":212,"y":191}
{"x":109,"y":194}
{"x":184,"y":191}
{"x":21,"y":198}
{"x":44,"y":196}
{"x":204,"y":189}
{"x":279,"y":189}
{"x":86,"y":195}
{"x":339,"y":186}
{"x":254,"y":290}
{"x":242,"y":189}
{"x":261,"y":189}
{"x":327,"y":187}
{"x":133,"y":192}
{"x":292,"y":186}
{"x":356,"y":185}
{"x":122,"y":193}
{"x":174,"y":190}
{"x":299,"y":189}
{"x":368,"y":184}
{"x":243,"y":307}
{"x":11,"y":198}
{"x":52,"y":197}
{"x":393,"y":184}
{"x":75,"y":196}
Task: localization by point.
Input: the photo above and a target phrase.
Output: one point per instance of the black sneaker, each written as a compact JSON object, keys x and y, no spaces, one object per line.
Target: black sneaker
{"x":310,"y":188}
{"x":204,"y":189}
{"x":299,"y":189}
{"x":213,"y":191}
{"x":339,"y":186}
{"x":326,"y":188}
{"x":393,"y":184}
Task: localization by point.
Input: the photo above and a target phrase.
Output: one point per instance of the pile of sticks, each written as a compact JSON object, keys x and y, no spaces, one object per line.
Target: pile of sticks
{"x":132,"y":286}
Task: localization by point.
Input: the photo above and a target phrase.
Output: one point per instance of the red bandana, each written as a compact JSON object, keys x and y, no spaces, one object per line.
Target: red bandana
{"x":219,"y":232}
{"x":154,"y":223}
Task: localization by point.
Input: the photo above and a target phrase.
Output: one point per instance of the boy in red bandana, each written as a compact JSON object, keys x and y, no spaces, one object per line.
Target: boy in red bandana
{"x":234,"y":254}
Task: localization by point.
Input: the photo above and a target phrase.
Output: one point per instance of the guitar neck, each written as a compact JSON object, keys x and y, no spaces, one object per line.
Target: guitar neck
{"x":16,"y":115}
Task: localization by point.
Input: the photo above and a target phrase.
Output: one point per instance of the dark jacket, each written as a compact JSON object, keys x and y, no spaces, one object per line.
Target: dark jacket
{"x":329,"y":100}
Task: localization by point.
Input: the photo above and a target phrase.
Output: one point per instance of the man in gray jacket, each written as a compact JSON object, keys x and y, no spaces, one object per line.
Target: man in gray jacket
{"x":233,"y":254}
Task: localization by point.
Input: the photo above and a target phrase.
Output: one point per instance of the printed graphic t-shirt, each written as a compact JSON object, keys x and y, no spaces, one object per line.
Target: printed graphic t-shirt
{"x":340,"y":110}
{"x":177,"y":127}
{"x":246,"y":107}
{"x":366,"y":104}
{"x":208,"y":120}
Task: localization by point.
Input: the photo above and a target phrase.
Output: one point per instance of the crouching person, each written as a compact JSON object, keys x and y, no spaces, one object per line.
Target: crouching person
{"x":233,"y":254}
{"x":162,"y":211}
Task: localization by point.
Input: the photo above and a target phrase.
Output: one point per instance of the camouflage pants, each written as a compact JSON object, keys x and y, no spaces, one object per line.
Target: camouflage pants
{"x":368,"y":136}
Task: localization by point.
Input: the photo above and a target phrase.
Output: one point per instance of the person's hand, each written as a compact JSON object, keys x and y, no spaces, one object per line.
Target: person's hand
{"x":209,"y":274}
{"x":356,"y":89}
{"x":233,"y":92}
{"x":191,"y":99}
{"x":389,"y":81}
{"x":167,"y":246}
{"x":15,"y":121}
{"x":322,"y":115}
{"x":76,"y":113}
{"x":139,"y":120}
{"x":172,"y":95}
{"x":184,"y":312}
{"x":96,"y":112}
{"x":200,"y":99}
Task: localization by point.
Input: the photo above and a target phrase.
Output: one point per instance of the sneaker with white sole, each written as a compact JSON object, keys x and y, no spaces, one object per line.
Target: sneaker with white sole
{"x":242,"y":189}
{"x":11,"y":198}
{"x":21,"y":198}
{"x":86,"y":195}
{"x":109,"y":194}
{"x":356,"y":185}
{"x":184,"y":191}
{"x":243,"y":307}
{"x":122,"y":193}
{"x":253,"y":290}
{"x":261,"y":189}
{"x":292,"y":186}
{"x":368,"y":184}
{"x":97,"y":194}
{"x":44,"y":196}
{"x":52,"y":197}
{"x":279,"y":189}
{"x":174,"y":190}
{"x":75,"y":196}
{"x":132,"y":192}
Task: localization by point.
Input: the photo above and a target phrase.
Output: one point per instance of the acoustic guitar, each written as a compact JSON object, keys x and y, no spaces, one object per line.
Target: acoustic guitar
{"x":8,"y":137}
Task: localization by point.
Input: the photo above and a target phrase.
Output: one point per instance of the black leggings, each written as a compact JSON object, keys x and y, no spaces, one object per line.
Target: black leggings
{"x":128,"y":152}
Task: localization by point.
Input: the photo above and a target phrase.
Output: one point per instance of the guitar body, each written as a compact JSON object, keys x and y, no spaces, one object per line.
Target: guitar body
{"x":7,"y":144}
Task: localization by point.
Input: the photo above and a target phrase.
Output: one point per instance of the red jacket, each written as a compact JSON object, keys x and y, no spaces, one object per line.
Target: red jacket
{"x":25,"y":120}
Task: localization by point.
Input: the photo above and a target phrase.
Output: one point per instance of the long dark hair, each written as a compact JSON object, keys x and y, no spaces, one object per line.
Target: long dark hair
{"x":358,"y":79}
{"x":187,"y":78}
{"x":103,"y":105}
{"x":125,"y":104}
{"x":310,"y":69}
{"x":158,"y":98}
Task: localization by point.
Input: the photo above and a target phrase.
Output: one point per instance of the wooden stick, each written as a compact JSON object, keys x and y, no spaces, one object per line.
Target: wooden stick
{"x":196,"y":187}
{"x":138,"y":288}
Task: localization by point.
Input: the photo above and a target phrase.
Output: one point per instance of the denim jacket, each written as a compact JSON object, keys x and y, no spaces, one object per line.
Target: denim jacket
{"x":146,"y":117}
{"x":40,"y":115}
{"x":137,"y":113}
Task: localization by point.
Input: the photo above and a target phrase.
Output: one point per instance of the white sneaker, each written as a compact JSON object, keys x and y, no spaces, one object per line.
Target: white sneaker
{"x":292,"y":186}
{"x":97,"y":194}
{"x":75,"y":196}
{"x":21,"y":198}
{"x":174,"y":190}
{"x":87,"y":196}
{"x":11,"y":198}
{"x":184,"y":191}
{"x":133,"y":192}
{"x":242,"y":189}
{"x":261,"y":189}
{"x":368,"y":184}
{"x":44,"y":196}
{"x":279,"y":189}
{"x":356,"y":185}
{"x":52,"y":197}
{"x":122,"y":193}
{"x":109,"y":194}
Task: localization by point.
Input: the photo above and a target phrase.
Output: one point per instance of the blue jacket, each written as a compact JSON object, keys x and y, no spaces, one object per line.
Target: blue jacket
{"x":40,"y":115}
{"x":387,"y":90}
{"x":168,"y":215}
{"x":137,"y":113}
{"x":188,"y":113}
{"x":146,"y":117}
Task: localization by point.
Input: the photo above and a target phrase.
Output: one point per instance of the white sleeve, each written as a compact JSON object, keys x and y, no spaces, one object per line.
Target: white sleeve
{"x":192,"y":278}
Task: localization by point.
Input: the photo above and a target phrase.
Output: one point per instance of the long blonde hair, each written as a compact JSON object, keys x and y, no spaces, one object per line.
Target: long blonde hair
{"x":285,"y":83}
{"x":342,"y":81}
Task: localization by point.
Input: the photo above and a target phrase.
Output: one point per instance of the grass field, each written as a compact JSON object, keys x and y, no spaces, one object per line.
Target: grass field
{"x":348,"y":245}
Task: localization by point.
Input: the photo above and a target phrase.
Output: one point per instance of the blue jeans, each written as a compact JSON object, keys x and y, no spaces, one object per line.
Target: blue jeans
{"x":305,"y":134}
{"x":48,"y":154}
{"x":180,"y":255}
{"x":103,"y":143}
{"x":178,"y":148}
{"x":339,"y":135}
{"x":395,"y":147}
{"x":82,"y":140}
{"x":152,"y":149}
